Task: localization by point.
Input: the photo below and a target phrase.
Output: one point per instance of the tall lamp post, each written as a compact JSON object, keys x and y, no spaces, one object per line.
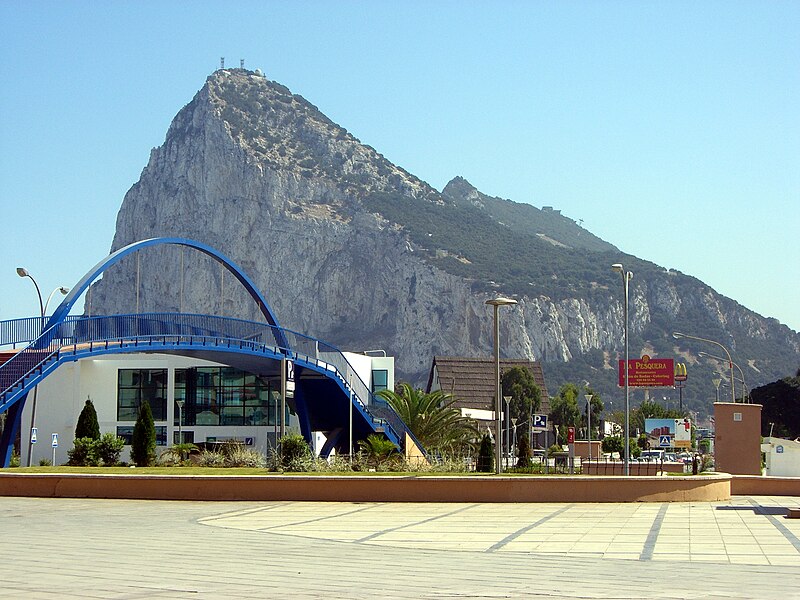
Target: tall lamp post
{"x":180,"y":420}
{"x":508,"y":428}
{"x":626,"y":279}
{"x":498,"y":409}
{"x":23,"y":272}
{"x":719,"y":358}
{"x":677,"y":335}
{"x":589,"y":423}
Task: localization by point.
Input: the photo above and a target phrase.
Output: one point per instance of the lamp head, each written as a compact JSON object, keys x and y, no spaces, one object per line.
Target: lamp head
{"x":617,"y":267}
{"x":501,"y":301}
{"x":64,"y":290}
{"x":677,"y":335}
{"x":23,"y":272}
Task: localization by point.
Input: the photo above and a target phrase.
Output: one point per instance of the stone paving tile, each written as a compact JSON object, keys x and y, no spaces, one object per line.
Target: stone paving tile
{"x":257,"y":550}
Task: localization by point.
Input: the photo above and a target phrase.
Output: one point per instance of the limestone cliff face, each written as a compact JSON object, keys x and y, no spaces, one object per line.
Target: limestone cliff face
{"x":263,"y":176}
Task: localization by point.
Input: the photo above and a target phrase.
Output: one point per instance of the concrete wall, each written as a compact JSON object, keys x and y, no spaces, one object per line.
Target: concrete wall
{"x":488,"y":488}
{"x":737,"y":440}
{"x":752,"y":485}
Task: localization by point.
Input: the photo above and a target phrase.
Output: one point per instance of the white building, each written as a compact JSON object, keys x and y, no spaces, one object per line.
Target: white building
{"x":219,"y":402}
{"x":782,"y":457}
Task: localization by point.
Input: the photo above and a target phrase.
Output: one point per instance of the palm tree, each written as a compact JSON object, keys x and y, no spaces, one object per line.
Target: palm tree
{"x":377,"y":448}
{"x":436,"y":424}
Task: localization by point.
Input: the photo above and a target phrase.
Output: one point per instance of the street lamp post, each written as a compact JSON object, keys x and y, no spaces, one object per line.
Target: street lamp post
{"x":626,"y":278}
{"x":23,"y":272}
{"x":508,"y":427}
{"x":514,"y":444}
{"x":716,"y":381}
{"x":497,"y":303}
{"x":678,"y":335}
{"x":180,"y":420}
{"x":589,"y":423}
{"x":719,"y":358}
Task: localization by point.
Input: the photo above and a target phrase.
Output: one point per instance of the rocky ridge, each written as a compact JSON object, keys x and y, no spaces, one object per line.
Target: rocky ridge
{"x":352,"y":249}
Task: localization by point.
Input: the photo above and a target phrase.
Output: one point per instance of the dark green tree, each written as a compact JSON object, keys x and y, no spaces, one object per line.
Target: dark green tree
{"x":87,"y":426}
{"x":526,"y":397}
{"x":564,"y":411}
{"x":485,"y":455}
{"x":781,"y":413}
{"x":143,"y":445}
{"x":523,"y":452}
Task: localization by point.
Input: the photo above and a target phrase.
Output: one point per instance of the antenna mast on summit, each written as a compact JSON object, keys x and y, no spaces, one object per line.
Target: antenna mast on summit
{"x":221,"y":62}
{"x":241,"y":63}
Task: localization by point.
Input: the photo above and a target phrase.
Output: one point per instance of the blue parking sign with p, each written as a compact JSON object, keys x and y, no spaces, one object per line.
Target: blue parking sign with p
{"x":540,"y":421}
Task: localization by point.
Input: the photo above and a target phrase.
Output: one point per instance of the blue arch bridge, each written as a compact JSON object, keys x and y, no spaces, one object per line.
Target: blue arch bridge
{"x":328,"y":392}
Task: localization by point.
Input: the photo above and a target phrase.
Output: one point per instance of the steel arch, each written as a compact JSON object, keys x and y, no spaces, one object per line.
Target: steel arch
{"x":66,"y":305}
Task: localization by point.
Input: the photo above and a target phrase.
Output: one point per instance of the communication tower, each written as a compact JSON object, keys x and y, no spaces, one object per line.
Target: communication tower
{"x":221,"y":62}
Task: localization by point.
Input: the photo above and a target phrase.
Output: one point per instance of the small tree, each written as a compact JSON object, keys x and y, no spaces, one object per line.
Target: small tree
{"x":87,"y":426}
{"x":143,"y":445}
{"x":377,"y":448}
{"x":485,"y":455}
{"x":523,"y":452}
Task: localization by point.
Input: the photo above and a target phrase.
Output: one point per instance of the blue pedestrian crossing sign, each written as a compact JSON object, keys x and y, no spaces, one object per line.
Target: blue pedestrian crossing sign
{"x":33,"y":435}
{"x":540,"y":422}
{"x":665,"y":441}
{"x":54,"y":443}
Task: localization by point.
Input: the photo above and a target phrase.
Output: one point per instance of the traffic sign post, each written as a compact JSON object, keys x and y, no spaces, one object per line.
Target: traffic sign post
{"x":539,"y":423}
{"x":33,"y":435}
{"x":665,"y":441}
{"x":55,"y":445}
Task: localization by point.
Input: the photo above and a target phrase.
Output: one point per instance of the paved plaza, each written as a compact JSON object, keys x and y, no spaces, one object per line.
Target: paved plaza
{"x":76,"y":548}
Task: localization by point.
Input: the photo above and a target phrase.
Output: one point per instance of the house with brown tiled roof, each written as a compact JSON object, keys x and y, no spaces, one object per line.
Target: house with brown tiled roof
{"x":471,"y":381}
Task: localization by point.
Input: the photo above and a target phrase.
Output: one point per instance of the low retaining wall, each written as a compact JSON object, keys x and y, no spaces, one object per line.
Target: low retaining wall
{"x":370,"y":489}
{"x":616,"y":468}
{"x":757,"y":485}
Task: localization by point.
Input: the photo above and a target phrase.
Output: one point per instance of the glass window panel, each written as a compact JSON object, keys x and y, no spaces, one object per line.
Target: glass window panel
{"x":126,"y":433}
{"x":232,"y":377}
{"x":380,"y":380}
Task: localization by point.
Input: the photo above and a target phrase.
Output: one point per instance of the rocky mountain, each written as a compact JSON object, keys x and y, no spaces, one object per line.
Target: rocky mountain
{"x":353,"y":249}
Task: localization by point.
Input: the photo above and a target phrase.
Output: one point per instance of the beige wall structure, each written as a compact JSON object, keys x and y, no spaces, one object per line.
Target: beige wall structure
{"x":737,"y":438}
{"x":354,"y":488}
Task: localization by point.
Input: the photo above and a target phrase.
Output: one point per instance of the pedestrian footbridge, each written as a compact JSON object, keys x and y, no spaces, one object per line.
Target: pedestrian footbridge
{"x":328,"y":392}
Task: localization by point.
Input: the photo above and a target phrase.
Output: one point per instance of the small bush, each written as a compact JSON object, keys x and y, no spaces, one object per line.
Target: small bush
{"x":295,"y":453}
{"x":209,"y":458}
{"x":45,"y":462}
{"x":83,"y":453}
{"x":14,"y":462}
{"x":244,"y":457}
{"x":108,"y":448}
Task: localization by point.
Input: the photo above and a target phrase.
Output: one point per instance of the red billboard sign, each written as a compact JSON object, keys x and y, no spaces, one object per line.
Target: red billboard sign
{"x":570,"y":435}
{"x":648,"y":372}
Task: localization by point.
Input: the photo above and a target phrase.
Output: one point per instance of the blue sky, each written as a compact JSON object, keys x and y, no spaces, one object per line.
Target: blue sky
{"x":671,"y":129}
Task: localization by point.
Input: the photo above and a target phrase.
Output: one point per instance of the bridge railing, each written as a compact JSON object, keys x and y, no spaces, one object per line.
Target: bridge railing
{"x":15,"y":332}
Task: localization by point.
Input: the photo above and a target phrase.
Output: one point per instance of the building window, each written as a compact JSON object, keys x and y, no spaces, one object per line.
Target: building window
{"x":135,"y":386}
{"x":126,"y":433}
{"x":380,"y":380}
{"x":224,"y":396}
